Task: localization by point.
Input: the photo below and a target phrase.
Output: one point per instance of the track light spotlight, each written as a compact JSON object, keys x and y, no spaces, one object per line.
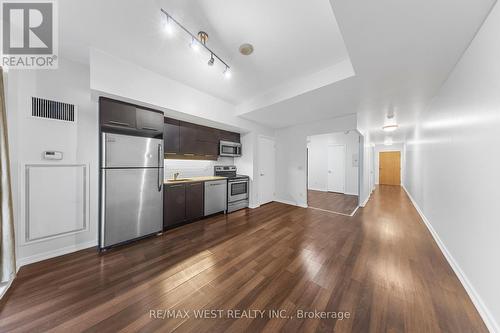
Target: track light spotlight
{"x":211,"y":60}
{"x":227,"y":73}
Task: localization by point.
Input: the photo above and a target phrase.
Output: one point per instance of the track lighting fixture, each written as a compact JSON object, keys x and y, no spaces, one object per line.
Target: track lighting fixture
{"x":195,"y":45}
{"x":227,"y":73}
{"x":197,"y":41}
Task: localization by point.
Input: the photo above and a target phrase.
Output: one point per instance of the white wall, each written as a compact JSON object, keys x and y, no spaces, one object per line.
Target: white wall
{"x":318,"y":160}
{"x":381,"y":148}
{"x":452,"y":168}
{"x":193,"y":168}
{"x":30,"y":137}
{"x":291,"y":156}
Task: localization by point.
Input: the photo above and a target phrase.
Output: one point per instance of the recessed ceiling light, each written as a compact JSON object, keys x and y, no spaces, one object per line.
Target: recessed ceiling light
{"x":246,"y":49}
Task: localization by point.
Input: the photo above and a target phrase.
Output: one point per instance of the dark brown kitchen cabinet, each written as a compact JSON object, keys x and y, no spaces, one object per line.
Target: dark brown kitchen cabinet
{"x":182,"y":203}
{"x":171,"y":136}
{"x":149,"y":121}
{"x":194,"y":200}
{"x":174,"y":204}
{"x":191,"y":141}
{"x":117,"y":114}
{"x":229,"y":136}
{"x":188,"y":139}
{"x":207,"y":134}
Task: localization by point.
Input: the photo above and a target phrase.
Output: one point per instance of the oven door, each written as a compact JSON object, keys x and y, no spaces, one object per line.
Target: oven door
{"x":237,"y":190}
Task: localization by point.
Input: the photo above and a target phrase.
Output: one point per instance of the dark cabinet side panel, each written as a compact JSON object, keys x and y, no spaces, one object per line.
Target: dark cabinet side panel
{"x":194,"y":200}
{"x":174,"y":206}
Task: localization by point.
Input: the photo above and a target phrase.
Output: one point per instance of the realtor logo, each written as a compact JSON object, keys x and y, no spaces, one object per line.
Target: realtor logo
{"x":29,"y":34}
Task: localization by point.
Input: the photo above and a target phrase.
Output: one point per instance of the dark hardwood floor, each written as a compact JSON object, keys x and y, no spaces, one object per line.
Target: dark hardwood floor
{"x":335,"y":202}
{"x":381,"y":265}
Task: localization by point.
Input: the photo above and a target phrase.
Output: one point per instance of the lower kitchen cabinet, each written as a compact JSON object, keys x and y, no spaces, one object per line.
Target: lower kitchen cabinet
{"x":174,"y":204}
{"x":182,"y":203}
{"x":194,"y":200}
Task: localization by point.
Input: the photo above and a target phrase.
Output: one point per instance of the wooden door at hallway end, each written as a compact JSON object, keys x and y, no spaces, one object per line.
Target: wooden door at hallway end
{"x":390,"y":168}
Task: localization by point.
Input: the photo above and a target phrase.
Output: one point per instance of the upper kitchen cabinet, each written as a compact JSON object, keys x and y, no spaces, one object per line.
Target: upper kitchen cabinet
{"x":149,"y":121}
{"x":208,"y":134}
{"x":229,"y":136}
{"x":185,"y":140}
{"x":117,"y":115}
{"x":188,"y":139}
{"x":171,"y":136}
{"x":120,"y":117}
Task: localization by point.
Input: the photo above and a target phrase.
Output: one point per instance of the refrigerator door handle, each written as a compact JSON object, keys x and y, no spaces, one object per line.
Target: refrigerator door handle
{"x":160,"y":169}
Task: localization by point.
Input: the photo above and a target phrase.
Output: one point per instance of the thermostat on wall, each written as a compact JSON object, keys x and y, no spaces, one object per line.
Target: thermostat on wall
{"x":52,"y":155}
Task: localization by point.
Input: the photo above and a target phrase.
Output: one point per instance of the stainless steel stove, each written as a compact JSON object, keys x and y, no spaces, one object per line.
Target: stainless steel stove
{"x":237,"y":187}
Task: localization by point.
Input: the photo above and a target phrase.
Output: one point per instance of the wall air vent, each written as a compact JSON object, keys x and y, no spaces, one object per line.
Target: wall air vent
{"x":44,"y":108}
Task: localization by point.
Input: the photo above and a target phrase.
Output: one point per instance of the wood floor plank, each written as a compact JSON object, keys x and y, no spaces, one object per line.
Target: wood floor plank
{"x":381,"y":266}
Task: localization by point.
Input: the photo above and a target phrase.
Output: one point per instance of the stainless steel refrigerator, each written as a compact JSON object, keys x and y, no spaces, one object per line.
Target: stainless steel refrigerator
{"x":131,"y":188}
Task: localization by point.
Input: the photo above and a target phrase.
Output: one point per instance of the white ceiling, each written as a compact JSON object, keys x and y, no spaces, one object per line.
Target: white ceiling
{"x":292,"y":38}
{"x":401,"y":52}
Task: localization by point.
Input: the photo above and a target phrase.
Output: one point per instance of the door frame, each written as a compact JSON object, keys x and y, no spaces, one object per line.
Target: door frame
{"x":259,"y":186}
{"x":345,"y":164}
{"x":361,"y":161}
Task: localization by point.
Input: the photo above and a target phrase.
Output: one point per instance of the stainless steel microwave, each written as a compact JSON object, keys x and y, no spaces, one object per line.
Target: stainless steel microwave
{"x":228,"y":148}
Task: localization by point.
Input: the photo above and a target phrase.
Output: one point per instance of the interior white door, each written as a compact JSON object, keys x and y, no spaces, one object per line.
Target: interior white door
{"x":267,"y":153}
{"x":336,"y":168}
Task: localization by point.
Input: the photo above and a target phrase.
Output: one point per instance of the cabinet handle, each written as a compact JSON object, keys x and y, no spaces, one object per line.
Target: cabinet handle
{"x":188,"y":154}
{"x":170,"y":153}
{"x":117,"y":123}
{"x":150,"y":129}
{"x":180,"y":185}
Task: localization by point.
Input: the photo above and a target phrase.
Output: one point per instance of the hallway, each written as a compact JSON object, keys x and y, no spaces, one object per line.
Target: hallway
{"x":381,"y":266}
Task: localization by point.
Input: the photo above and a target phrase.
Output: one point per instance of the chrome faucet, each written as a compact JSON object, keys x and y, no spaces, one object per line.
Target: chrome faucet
{"x":176,"y":175}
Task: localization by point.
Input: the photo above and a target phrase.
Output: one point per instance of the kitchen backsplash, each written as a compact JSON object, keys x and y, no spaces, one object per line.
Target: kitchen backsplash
{"x":193,"y":168}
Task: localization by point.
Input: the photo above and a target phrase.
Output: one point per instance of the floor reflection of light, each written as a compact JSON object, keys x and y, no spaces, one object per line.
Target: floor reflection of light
{"x":393,"y":274}
{"x":308,"y":263}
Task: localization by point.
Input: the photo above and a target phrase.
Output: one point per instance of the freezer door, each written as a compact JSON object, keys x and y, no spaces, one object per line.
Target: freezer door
{"x":132,"y":204}
{"x":126,"y":151}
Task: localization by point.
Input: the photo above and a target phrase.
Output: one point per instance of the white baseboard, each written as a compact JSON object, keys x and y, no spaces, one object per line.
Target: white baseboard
{"x":55,"y":253}
{"x":318,"y":189}
{"x":348,"y":193}
{"x":289,"y":202}
{"x":485,"y":314}
{"x":363,"y":204}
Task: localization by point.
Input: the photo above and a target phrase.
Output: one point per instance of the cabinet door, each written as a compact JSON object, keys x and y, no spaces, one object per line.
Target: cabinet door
{"x":194,"y":200}
{"x":149,"y":121}
{"x":115,"y":114}
{"x":174,"y":206}
{"x":171,"y":136}
{"x":207,"y":134}
{"x":188,"y":141}
{"x":229,"y":136}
